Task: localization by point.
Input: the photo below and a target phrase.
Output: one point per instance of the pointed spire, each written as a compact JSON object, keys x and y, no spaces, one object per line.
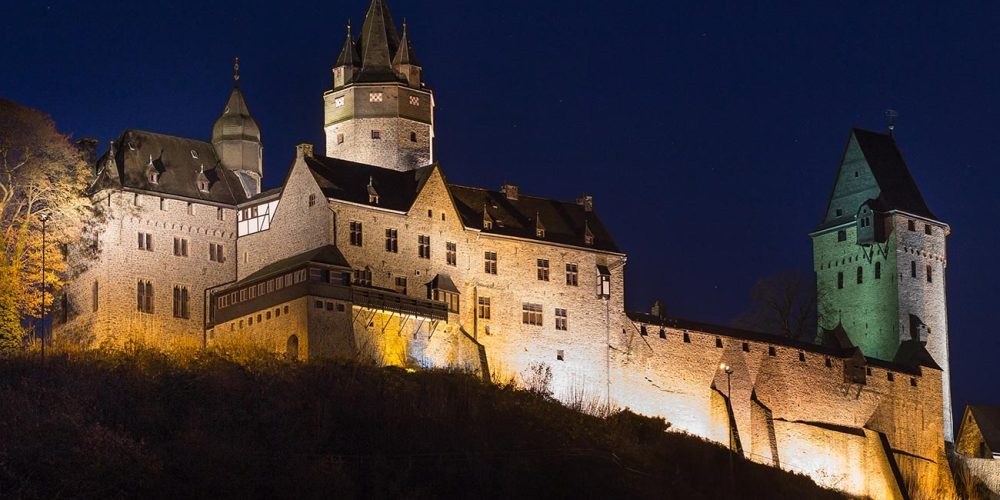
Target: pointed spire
{"x":378,"y":42}
{"x":539,"y":227}
{"x":236,"y":70}
{"x":588,"y":236}
{"x":405,"y":54}
{"x":349,"y":53}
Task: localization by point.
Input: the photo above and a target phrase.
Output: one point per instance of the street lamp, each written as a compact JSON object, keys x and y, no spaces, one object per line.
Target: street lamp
{"x":729,"y":394}
{"x":44,"y":218}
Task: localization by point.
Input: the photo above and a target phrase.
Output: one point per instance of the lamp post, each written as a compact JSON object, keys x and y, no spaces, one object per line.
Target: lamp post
{"x":729,"y":394}
{"x":44,"y":218}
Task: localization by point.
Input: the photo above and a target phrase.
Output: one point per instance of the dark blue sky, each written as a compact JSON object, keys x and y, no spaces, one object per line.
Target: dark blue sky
{"x":708,"y":133}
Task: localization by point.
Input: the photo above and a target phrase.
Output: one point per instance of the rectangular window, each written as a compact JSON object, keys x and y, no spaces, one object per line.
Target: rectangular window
{"x":391,"y":241}
{"x":190,"y":208}
{"x":746,"y":347}
{"x":561,"y":319}
{"x":930,"y":274}
{"x":401,"y":285}
{"x":449,"y":298}
{"x":840,"y":280}
{"x":181,"y":301}
{"x":571,"y":275}
{"x":414,"y":100}
{"x":216,"y":253}
{"x":363,"y":277}
{"x":543,"y":269}
{"x":451,"y":253}
{"x":180,"y":247}
{"x":484,"y":308}
{"x":374,"y":97}
{"x":220,"y":214}
{"x":490,"y":262}
{"x":340,"y":138}
{"x":841,"y":235}
{"x":771,"y":351}
{"x":146,"y":242}
{"x":95,"y":294}
{"x":531,"y":314}
{"x":376,"y":134}
{"x":424,"y":246}
{"x":144,"y":296}
{"x":163,"y":203}
{"x":927,"y":229}
{"x":356,"y":233}
{"x":913,"y":269}
{"x":560,"y":355}
{"x":912,"y":226}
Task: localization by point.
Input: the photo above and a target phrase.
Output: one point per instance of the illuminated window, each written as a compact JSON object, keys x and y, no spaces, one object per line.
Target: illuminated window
{"x":376,"y":134}
{"x":912,"y":226}
{"x":543,"y":269}
{"x":216,"y":253}
{"x":840,"y":280}
{"x":180,"y":247}
{"x":451,"y":253}
{"x":424,"y":246}
{"x":391,"y":241}
{"x":414,"y":100}
{"x":930,"y":274}
{"x":490,"y":262}
{"x":571,"y":274}
{"x":484,"y":308}
{"x":531,"y":314}
{"x":356,"y":234}
{"x":374,"y":97}
{"x":181,"y":302}
{"x":146,"y":242}
{"x":561,"y":323}
{"x":338,"y":101}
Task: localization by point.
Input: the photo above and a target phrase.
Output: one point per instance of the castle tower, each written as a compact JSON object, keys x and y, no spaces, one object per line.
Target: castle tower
{"x":236,"y":137}
{"x":379,"y":111}
{"x":879,"y":256}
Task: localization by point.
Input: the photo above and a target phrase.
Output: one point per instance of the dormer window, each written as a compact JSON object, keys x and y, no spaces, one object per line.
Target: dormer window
{"x":154,"y":177}
{"x":194,"y":154}
{"x":540,"y":232}
{"x":203,"y":185}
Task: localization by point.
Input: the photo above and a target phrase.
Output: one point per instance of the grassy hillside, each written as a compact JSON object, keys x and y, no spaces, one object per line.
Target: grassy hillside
{"x":142,"y":424}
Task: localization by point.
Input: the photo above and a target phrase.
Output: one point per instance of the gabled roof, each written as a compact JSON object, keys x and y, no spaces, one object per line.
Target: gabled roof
{"x":899,"y":190}
{"x":988,"y":420}
{"x":177,"y":161}
{"x":348,"y":181}
{"x":564,"y":222}
{"x":327,"y":255}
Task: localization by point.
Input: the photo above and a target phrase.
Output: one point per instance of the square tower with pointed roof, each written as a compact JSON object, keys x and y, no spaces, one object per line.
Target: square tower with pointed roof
{"x":879,"y":256}
{"x":379,"y":112}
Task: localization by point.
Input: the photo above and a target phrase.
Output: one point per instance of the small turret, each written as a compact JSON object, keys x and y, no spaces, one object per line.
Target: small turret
{"x":236,"y":137}
{"x":348,"y":62}
{"x":405,"y":61}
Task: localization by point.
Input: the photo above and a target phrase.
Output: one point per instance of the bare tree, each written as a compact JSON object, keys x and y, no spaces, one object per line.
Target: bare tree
{"x":785,"y":304}
{"x":41,"y":173}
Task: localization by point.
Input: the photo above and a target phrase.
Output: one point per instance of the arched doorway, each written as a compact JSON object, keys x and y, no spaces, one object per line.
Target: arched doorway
{"x":292,"y":347}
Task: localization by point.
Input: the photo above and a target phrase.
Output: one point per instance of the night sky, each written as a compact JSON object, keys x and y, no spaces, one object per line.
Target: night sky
{"x":709,"y":134}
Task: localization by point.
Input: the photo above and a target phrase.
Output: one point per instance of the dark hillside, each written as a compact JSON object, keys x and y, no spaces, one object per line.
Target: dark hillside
{"x":149,"y":426}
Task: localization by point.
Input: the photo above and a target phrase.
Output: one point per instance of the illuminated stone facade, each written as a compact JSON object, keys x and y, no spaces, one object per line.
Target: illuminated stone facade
{"x":369,"y":253}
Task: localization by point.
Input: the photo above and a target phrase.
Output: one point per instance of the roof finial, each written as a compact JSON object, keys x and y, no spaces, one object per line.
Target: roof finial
{"x":348,"y":28}
{"x":404,"y":25}
{"x":236,"y":69}
{"x":891,"y":115}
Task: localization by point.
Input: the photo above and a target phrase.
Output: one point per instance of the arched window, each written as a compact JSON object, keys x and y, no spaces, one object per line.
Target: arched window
{"x":878,"y":270}
{"x":292,"y":347}
{"x":861,"y":275}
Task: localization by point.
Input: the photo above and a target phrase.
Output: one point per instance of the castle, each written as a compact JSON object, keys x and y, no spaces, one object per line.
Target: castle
{"x":367,"y":251}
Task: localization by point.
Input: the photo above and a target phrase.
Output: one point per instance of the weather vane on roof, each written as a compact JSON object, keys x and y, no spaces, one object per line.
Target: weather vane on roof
{"x":891,"y":115}
{"x":236,"y":69}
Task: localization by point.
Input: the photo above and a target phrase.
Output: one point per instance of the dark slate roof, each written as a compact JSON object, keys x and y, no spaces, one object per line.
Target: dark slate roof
{"x":349,"y":53}
{"x":327,"y":254}
{"x":405,"y":54}
{"x":377,"y":44}
{"x":726,"y":331}
{"x":914,"y":353}
{"x":564,"y":222}
{"x":898,"y":189}
{"x":236,"y":121}
{"x":348,"y":181}
{"x":128,"y":164}
{"x":988,"y":420}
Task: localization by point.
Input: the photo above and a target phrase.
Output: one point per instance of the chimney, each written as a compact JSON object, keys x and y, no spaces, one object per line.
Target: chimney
{"x":87,"y":146}
{"x":510,"y":191}
{"x":304,"y":150}
{"x":658,"y":309}
{"x":586,"y":201}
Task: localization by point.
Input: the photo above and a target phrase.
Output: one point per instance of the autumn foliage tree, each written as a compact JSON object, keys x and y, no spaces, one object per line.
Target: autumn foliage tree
{"x":41,"y":174}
